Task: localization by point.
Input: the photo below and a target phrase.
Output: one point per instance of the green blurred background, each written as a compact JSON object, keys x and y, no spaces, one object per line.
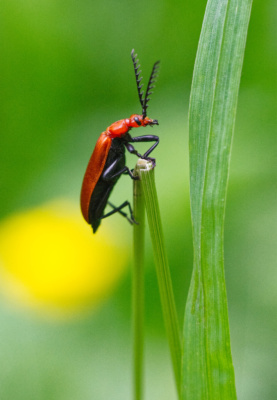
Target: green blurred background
{"x":66,"y":74}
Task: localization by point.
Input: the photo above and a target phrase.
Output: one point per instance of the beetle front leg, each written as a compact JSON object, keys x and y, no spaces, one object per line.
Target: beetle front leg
{"x":132,"y":150}
{"x":141,"y":139}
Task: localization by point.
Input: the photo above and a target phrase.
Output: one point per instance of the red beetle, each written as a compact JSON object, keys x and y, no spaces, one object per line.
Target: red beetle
{"x":107,"y":162}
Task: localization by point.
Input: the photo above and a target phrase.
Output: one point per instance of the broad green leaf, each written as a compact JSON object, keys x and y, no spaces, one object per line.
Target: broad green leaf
{"x":208,"y":372}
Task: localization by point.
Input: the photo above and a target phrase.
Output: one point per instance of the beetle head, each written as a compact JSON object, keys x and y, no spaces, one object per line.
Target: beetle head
{"x":137,"y":120}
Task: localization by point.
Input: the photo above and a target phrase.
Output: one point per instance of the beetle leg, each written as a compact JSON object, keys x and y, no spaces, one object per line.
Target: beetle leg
{"x":118,"y":209}
{"x":146,"y":138}
{"x":132,"y":150}
{"x":109,"y":174}
{"x":130,"y":173}
{"x":107,"y":177}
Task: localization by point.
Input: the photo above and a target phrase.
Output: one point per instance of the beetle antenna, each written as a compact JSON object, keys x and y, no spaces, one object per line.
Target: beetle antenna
{"x":152,"y":80}
{"x":138,"y":79}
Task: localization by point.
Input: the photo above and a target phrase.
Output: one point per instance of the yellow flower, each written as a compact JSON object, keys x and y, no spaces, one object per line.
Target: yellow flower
{"x":49,"y":257}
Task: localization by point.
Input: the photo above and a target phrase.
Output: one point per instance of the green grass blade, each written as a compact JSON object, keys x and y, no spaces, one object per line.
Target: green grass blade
{"x":207,"y":363}
{"x":146,"y":173}
{"x":138,"y":289}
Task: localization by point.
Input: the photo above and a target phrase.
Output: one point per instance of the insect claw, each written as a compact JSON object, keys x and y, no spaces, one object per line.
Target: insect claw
{"x":153,"y":161}
{"x":133,"y":221}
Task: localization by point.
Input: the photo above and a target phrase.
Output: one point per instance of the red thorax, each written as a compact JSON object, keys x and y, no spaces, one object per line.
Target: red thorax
{"x":121,"y":127}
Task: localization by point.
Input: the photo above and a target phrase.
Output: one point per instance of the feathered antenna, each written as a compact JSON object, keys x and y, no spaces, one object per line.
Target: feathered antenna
{"x":137,"y":73}
{"x":150,"y":86}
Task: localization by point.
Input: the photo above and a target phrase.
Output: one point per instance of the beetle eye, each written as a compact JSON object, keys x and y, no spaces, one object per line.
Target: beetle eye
{"x":137,"y":121}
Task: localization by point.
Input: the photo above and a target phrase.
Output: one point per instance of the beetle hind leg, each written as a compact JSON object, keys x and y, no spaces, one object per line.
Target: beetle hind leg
{"x":118,"y":209}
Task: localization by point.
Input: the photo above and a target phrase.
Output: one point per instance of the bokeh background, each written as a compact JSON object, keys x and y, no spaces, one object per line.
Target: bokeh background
{"x":65,"y":312}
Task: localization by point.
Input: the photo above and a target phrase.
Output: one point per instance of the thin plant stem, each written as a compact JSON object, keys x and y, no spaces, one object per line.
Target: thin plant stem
{"x":146,"y":173}
{"x":138,"y":289}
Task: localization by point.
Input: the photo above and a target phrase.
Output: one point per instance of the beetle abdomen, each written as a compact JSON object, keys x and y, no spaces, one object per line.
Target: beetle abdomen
{"x":94,"y":170}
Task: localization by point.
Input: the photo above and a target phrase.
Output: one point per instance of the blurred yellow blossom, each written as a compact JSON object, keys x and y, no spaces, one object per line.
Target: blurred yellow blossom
{"x":49,"y":257}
